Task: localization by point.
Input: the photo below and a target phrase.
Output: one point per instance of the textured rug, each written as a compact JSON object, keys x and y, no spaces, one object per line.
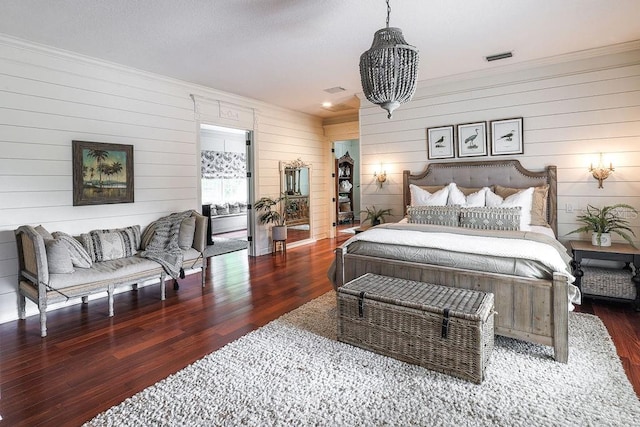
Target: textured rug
{"x":223,"y":245}
{"x":294,"y":372}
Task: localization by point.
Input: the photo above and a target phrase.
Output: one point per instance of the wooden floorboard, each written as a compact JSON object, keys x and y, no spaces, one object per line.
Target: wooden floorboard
{"x":90,"y":362}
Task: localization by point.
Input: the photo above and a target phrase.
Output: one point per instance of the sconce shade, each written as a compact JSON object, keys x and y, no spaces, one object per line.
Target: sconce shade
{"x":389,"y":69}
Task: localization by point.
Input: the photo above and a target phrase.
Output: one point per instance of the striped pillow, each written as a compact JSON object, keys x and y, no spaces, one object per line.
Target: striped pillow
{"x":485,"y":218}
{"x":437,"y":215}
{"x":106,"y":245}
{"x":79,"y":256}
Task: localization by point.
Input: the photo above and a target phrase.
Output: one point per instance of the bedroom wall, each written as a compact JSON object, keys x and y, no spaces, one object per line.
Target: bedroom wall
{"x":49,"y":98}
{"x":574,"y":107}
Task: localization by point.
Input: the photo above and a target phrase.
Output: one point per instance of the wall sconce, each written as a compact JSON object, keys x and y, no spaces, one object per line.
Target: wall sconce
{"x":380,"y":177}
{"x":600,"y":172}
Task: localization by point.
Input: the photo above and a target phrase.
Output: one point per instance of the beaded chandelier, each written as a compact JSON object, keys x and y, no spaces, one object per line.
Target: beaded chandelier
{"x":389,"y":69}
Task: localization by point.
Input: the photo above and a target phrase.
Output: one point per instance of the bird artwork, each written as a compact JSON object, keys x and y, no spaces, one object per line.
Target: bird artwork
{"x":470,"y":140}
{"x":439,"y":142}
{"x":507,"y":136}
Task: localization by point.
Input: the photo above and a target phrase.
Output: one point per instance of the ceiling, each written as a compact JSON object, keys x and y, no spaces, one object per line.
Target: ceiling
{"x":287,"y":52}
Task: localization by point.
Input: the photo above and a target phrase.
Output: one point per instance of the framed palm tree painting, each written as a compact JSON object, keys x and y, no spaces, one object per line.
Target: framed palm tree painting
{"x":102,"y":173}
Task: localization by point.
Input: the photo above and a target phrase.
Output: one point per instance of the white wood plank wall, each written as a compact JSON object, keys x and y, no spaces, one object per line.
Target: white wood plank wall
{"x":573,"y":107}
{"x":287,"y":137}
{"x":49,"y":98}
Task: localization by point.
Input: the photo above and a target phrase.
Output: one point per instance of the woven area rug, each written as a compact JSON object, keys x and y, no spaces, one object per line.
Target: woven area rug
{"x":223,"y":245}
{"x":294,"y":372}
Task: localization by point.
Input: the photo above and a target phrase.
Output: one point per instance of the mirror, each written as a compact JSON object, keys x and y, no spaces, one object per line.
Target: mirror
{"x":295,"y":183}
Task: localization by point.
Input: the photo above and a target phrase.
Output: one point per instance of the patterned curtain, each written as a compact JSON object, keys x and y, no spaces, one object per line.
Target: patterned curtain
{"x":220,"y":164}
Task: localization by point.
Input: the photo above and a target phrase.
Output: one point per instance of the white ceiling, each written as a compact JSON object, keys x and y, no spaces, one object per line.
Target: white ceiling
{"x":286,"y":52}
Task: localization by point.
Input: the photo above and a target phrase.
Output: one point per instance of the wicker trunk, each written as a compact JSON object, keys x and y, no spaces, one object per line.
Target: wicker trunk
{"x":445,"y":329}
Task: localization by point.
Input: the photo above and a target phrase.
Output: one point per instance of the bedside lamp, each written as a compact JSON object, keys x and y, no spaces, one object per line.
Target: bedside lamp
{"x":600,"y":172}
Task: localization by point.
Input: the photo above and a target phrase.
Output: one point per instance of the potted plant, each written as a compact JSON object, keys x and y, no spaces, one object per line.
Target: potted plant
{"x":602,"y":222}
{"x":375,"y":216}
{"x":273,"y":211}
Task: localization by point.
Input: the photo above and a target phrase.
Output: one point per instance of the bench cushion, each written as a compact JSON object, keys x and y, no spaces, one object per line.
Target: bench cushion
{"x":117,"y":271}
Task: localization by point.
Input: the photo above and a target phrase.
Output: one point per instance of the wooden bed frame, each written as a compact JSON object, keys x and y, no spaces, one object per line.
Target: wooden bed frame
{"x":534,"y":310}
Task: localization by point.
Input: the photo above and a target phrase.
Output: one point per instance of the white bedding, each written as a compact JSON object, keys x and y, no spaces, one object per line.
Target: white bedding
{"x":544,"y":253}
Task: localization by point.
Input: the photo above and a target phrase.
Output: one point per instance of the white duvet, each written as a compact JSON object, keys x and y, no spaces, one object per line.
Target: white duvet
{"x":481,"y":245}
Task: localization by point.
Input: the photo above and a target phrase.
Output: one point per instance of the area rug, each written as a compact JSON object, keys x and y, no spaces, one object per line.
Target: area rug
{"x":223,"y":245}
{"x":294,"y":372}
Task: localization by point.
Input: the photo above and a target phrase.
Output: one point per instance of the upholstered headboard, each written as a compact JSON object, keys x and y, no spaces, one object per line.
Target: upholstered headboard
{"x":508,"y":173}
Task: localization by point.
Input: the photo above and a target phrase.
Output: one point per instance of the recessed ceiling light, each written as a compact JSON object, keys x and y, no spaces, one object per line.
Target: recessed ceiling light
{"x":335,"y":89}
{"x":326,"y":104}
{"x":498,"y":56}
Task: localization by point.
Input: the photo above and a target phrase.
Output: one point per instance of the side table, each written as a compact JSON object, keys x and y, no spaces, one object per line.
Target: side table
{"x":361,"y":228}
{"x":611,"y":284}
{"x":283,"y":246}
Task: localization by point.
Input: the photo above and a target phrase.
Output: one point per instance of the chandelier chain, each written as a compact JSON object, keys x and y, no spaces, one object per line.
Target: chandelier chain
{"x":388,"y":13}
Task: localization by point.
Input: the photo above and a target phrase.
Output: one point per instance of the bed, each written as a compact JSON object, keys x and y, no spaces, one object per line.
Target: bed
{"x":530,"y":306}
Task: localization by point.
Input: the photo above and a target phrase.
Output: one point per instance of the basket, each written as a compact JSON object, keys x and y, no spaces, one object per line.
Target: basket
{"x":444,"y":329}
{"x":609,"y":282}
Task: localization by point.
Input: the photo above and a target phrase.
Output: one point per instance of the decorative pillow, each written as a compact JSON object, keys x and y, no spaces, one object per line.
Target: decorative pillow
{"x":146,"y":237}
{"x":222,"y":209}
{"x":58,"y":258}
{"x":470,"y":190}
{"x":234,"y":208}
{"x":187,"y":232}
{"x":106,"y":245}
{"x":485,"y":218}
{"x":79,"y":256}
{"x":437,"y":215}
{"x":458,"y":197}
{"x":421,"y":197}
{"x":539,"y":203}
{"x":523,"y":199}
{"x":43,"y":232}
{"x":431,"y":188}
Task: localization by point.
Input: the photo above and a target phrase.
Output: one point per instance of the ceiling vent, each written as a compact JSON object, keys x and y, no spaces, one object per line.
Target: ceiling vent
{"x":499,"y":56}
{"x":335,"y":89}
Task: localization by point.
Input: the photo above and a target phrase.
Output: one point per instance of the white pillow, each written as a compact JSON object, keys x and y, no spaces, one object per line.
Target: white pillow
{"x":473,"y":200}
{"x":523,"y":199}
{"x":421,"y":197}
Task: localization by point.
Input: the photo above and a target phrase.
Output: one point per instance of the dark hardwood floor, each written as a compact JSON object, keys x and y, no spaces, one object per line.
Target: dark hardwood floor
{"x":90,"y":362}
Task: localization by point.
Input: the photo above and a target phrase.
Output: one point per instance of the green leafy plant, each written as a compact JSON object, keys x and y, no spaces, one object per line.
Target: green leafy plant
{"x":606,"y":220}
{"x":375,"y":216}
{"x":273,"y":210}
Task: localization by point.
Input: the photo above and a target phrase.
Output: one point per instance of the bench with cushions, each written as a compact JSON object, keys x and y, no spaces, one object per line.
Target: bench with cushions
{"x":226,"y":217}
{"x":54,"y":267}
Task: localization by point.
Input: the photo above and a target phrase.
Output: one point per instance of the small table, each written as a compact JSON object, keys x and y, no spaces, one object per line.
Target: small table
{"x":283,"y":245}
{"x":616,"y":252}
{"x":361,"y":228}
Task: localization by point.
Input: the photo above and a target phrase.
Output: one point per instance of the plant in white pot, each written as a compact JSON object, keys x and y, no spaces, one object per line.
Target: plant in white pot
{"x":603,"y":222}
{"x":273,"y":211}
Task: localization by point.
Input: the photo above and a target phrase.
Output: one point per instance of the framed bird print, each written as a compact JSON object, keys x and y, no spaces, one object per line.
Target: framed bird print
{"x":472,"y":139}
{"x":506,"y":137}
{"x":440,"y":143}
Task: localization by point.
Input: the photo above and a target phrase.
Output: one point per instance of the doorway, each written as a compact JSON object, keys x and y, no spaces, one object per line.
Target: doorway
{"x":340,"y":148}
{"x":226,"y":186}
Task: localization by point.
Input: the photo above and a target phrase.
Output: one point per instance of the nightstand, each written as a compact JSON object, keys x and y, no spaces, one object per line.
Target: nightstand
{"x":361,"y":228}
{"x":607,"y":283}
